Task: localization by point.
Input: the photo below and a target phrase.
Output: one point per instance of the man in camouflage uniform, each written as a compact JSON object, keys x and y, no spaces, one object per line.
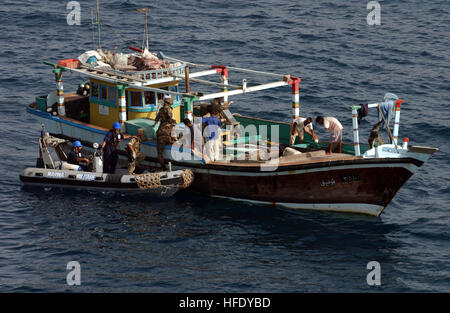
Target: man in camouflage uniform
{"x":133,"y":149}
{"x":164,"y":133}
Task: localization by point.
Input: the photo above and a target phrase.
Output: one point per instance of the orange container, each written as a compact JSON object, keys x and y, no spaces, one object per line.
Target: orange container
{"x":70,"y":63}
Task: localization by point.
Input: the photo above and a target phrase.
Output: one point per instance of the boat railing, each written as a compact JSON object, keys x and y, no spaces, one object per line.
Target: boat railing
{"x":394,"y":136}
{"x":149,"y":75}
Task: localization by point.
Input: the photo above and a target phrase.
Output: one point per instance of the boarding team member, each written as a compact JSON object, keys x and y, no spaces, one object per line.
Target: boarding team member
{"x":164,"y":133}
{"x":75,"y":156}
{"x":133,"y":149}
{"x":301,"y":125}
{"x":109,"y":149}
{"x":212,"y":135}
{"x":335,"y":128}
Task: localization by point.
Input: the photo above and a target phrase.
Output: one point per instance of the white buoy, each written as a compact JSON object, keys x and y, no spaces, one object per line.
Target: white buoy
{"x":405,"y":143}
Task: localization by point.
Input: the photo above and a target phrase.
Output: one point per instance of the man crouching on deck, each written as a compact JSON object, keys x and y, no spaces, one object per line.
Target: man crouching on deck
{"x":334,"y":126}
{"x":299,"y":126}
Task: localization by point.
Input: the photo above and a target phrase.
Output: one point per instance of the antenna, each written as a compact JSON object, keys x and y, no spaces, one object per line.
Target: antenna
{"x":145,"y":10}
{"x":93,"y":27}
{"x":97,"y":22}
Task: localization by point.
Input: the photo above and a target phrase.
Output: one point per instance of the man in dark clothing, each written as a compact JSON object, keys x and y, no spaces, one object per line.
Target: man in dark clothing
{"x":75,"y":156}
{"x":164,"y":133}
{"x":189,"y":124}
{"x":363,"y":111}
{"x":109,"y":148}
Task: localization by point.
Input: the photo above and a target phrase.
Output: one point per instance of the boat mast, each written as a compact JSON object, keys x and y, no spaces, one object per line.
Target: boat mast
{"x":145,"y":10}
{"x":97,"y":22}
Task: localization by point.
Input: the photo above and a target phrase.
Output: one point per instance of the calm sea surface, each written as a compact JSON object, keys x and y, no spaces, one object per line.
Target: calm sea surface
{"x":197,"y":244}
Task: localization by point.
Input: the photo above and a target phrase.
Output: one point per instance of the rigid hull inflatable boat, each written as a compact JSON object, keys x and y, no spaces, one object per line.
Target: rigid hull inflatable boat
{"x":50,"y":172}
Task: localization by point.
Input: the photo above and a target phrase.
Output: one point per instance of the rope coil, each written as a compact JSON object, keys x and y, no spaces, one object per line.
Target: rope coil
{"x":148,"y":181}
{"x":153,"y":180}
{"x":188,"y":178}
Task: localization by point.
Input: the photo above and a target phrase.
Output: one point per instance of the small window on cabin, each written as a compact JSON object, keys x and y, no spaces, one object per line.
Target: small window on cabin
{"x":175,"y":89}
{"x":112,"y":95}
{"x":136,"y":99}
{"x":161,"y":95}
{"x":94,"y":88}
{"x":103,"y":93}
{"x":149,"y":98}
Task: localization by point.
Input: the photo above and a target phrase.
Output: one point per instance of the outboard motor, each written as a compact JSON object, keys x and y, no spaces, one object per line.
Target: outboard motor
{"x":98,"y":160}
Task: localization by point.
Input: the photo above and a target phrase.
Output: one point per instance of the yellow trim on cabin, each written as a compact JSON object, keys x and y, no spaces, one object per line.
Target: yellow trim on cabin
{"x":106,"y":115}
{"x":152,"y":115}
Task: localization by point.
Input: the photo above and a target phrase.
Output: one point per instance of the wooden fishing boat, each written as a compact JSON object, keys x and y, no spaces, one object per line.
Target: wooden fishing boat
{"x":360,"y":179}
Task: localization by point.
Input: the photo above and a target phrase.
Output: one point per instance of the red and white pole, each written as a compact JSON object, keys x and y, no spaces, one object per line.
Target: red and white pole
{"x":398,"y":104}
{"x":295,"y":82}
{"x":223,"y":71}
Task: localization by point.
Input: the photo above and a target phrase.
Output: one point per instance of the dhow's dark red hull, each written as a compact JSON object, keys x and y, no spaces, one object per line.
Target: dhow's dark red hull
{"x":355,"y":185}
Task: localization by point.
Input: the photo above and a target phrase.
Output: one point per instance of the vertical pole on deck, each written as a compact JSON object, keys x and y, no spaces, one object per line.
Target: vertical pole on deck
{"x":60,"y":91}
{"x":223,"y":71}
{"x":186,"y":78}
{"x":122,"y":104}
{"x":355,"y":129}
{"x":295,"y":98}
{"x":224,"y":78}
{"x":398,"y":104}
{"x":188,"y":108}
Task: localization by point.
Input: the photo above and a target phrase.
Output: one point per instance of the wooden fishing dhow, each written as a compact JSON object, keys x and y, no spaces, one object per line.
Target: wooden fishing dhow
{"x":360,"y":179}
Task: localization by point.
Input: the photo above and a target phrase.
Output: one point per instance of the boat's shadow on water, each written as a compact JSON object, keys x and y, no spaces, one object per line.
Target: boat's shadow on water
{"x":278,"y":223}
{"x":274,"y":223}
{"x":344,"y":243}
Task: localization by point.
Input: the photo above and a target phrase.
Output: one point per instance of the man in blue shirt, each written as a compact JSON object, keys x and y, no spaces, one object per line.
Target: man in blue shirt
{"x":212,"y":135}
{"x":75,"y":156}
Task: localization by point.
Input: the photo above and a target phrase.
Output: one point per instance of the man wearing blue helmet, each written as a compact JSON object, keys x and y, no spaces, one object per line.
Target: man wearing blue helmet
{"x":75,"y":156}
{"x":109,"y":148}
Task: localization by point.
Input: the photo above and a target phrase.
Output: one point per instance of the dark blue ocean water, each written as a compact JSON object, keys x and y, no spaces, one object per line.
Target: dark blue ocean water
{"x":197,"y":244}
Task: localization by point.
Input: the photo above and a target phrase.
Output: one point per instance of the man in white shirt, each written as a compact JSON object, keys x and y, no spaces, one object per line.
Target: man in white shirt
{"x":335,"y":128}
{"x":299,"y":126}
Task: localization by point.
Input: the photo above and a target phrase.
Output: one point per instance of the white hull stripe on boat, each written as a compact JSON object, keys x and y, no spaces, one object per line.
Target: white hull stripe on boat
{"x":363,"y":208}
{"x":408,"y":166}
